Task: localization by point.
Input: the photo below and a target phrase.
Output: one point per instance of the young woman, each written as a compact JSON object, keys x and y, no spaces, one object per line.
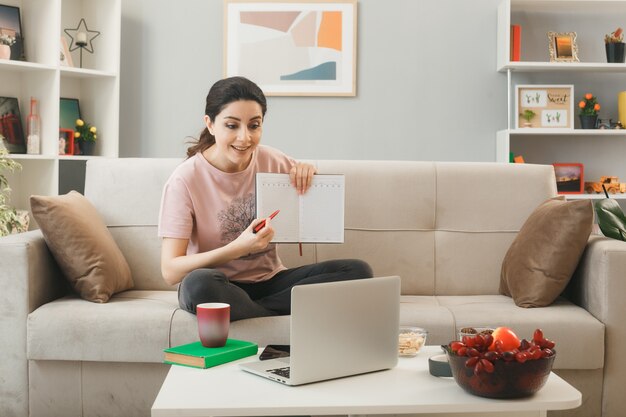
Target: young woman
{"x":207,"y":214}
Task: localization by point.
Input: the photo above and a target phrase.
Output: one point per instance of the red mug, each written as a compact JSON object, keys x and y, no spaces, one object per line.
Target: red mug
{"x":213,"y":323}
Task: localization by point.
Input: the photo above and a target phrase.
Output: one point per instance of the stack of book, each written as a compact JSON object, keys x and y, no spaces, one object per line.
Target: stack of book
{"x":198,"y":356}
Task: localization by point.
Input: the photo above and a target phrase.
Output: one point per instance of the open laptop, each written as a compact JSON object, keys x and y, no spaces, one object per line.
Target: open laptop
{"x":338,"y":329}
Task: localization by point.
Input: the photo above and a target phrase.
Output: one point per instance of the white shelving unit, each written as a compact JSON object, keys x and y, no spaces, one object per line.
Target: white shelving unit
{"x":597,"y":149}
{"x":41,"y":76}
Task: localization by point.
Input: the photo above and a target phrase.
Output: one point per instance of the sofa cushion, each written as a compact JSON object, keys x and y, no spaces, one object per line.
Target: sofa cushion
{"x":141,"y":247}
{"x":425,"y":311}
{"x":546,"y":251}
{"x":562,"y":321}
{"x":128,"y":203}
{"x":134,"y":326}
{"x":82,"y":245}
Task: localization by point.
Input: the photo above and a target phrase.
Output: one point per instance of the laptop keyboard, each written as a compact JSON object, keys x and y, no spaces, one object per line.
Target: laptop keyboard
{"x":284,"y":372}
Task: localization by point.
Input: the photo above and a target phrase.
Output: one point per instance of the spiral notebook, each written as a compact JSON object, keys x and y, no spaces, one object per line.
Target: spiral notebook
{"x":315,"y":217}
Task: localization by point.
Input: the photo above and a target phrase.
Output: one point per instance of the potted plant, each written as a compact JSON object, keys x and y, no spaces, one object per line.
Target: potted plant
{"x":6,"y":41}
{"x":589,"y":108}
{"x":528,"y":115}
{"x":85,"y":135}
{"x":614,"y":44}
{"x":11,"y":220}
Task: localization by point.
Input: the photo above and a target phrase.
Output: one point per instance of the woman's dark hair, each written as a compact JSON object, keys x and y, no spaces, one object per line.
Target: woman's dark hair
{"x":221,"y":95}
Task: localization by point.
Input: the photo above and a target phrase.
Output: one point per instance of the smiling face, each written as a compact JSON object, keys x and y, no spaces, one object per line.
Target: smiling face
{"x":237,"y":130}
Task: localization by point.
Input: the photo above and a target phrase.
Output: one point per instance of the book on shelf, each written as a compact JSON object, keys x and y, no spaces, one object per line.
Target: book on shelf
{"x":317,"y":216}
{"x":516,"y":42}
{"x":198,"y":356}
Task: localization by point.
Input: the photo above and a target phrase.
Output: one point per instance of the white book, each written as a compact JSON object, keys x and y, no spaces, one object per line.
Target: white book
{"x":315,"y":217}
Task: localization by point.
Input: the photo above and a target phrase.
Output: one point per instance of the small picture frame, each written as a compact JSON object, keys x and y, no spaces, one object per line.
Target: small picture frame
{"x":11,"y":125}
{"x":11,"y":31}
{"x":69,"y":112}
{"x":544,"y":106}
{"x":569,"y":177}
{"x":563,"y":47}
{"x":66,"y":142}
{"x":65,"y":56}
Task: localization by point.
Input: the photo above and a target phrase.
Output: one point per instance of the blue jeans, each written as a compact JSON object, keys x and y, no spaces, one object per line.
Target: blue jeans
{"x":265,"y":298}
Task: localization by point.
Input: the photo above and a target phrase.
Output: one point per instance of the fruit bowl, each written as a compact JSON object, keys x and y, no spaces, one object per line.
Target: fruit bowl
{"x":481,"y":368}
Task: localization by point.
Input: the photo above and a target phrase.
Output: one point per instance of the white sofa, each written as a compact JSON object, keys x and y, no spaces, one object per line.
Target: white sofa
{"x":443,"y":227}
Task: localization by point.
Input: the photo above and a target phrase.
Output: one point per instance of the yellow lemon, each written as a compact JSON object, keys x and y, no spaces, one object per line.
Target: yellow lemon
{"x":93,"y":129}
{"x":76,"y":134}
{"x":79,"y":122}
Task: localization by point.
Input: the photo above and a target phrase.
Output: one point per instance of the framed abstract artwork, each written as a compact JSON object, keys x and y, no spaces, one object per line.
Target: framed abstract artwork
{"x":293,"y":48}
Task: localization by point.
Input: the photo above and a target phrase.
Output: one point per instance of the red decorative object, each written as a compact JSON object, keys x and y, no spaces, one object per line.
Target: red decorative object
{"x":11,"y":128}
{"x":516,"y":42}
{"x":68,"y":135}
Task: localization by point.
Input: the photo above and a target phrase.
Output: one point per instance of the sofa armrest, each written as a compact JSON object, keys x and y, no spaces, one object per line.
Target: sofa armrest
{"x":29,"y":277}
{"x":28,"y":271}
{"x":599,"y":286}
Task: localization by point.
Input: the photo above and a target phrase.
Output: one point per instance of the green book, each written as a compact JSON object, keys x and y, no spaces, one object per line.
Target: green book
{"x":198,"y":356}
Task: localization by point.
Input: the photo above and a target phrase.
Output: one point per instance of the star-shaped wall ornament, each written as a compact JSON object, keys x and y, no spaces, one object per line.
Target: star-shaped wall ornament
{"x":82,"y":37}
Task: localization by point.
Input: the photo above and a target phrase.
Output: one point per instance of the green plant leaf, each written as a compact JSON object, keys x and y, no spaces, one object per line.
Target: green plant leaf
{"x":9,"y":219}
{"x":611,"y":218}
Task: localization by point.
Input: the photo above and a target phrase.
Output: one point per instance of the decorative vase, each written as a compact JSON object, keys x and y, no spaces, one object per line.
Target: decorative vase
{"x":5,"y":52}
{"x":588,"y":121}
{"x":87,"y":148}
{"x":615,"y":52}
{"x":621,"y":106}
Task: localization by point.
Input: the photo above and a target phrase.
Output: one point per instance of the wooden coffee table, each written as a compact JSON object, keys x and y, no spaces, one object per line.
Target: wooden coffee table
{"x":226,"y":390}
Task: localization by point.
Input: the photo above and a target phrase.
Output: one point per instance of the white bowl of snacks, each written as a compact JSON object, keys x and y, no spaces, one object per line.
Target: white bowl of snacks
{"x":410,"y":340}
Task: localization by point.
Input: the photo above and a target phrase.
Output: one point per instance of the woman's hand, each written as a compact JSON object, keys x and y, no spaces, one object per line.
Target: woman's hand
{"x":175,"y":263}
{"x":249,"y":242}
{"x":301,"y":176}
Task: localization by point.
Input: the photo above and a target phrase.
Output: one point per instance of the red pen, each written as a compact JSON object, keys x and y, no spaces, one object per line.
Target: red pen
{"x":262,"y":224}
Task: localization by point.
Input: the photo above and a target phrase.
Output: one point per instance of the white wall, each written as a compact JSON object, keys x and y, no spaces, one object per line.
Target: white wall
{"x":427,"y":88}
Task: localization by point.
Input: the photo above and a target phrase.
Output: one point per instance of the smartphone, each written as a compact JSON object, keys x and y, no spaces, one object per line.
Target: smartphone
{"x":274,"y":351}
